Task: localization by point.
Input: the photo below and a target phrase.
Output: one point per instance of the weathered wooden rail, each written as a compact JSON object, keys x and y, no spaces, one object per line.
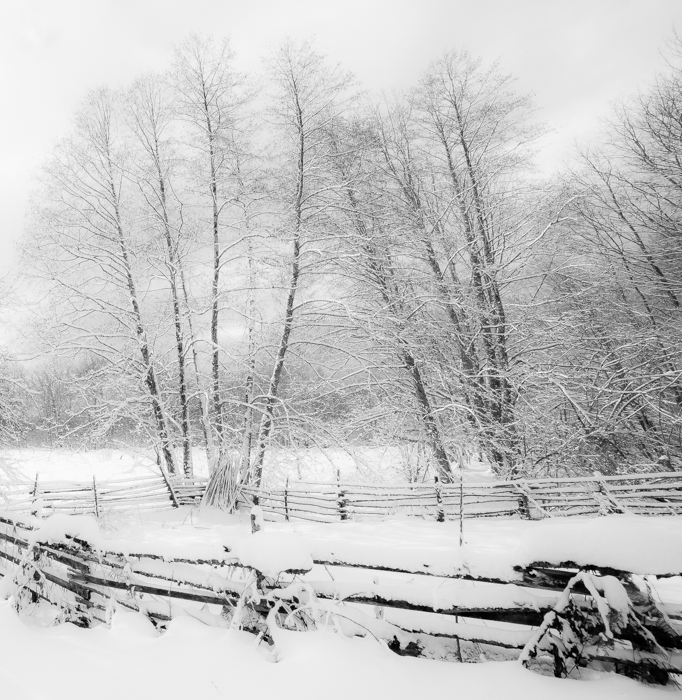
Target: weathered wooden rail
{"x":143,"y":493}
{"x":640,"y":494}
{"x":86,"y":580}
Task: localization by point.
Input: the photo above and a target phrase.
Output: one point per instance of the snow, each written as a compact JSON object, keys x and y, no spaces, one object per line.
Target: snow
{"x":492,"y":548}
{"x":447,"y":596}
{"x":629,"y":542}
{"x":425,"y":551}
{"x":58,"y":527}
{"x":192,"y":660}
{"x":273,"y":552}
{"x":615,"y":594}
{"x":669,"y":589}
{"x":73,"y":465}
{"x":361,"y":464}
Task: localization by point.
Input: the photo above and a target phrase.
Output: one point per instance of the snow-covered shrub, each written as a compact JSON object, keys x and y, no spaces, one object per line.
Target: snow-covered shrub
{"x":610,"y":633}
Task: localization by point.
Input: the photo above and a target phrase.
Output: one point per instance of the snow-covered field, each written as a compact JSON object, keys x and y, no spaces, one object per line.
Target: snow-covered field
{"x":194,"y":662}
{"x":191,"y":660}
{"x":371,"y":464}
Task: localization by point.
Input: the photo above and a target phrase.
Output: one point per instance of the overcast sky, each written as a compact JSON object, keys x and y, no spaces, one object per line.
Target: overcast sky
{"x":576,"y":56}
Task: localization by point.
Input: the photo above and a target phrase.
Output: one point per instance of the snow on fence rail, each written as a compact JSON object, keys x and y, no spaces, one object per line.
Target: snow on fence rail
{"x":568,"y":616}
{"x":639,"y":494}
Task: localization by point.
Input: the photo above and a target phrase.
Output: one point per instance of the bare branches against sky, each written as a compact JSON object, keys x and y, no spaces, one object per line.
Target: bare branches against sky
{"x":576,"y":57}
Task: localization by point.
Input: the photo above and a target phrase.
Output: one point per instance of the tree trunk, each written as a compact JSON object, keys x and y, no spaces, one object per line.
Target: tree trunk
{"x":271,"y":397}
{"x":150,"y":376}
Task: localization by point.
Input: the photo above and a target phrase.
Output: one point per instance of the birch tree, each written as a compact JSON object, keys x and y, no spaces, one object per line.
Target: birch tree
{"x":149,"y":115}
{"x":85,"y":243}
{"x":309,"y":95}
{"x":209,"y":101}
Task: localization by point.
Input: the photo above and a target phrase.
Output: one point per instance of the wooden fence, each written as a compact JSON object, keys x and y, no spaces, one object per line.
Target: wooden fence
{"x":641,"y":640}
{"x":142,"y":493}
{"x":640,"y":494}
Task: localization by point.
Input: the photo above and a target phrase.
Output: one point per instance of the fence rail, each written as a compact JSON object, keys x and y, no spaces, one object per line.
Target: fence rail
{"x":142,"y":493}
{"x":639,"y":494}
{"x":84,"y":582}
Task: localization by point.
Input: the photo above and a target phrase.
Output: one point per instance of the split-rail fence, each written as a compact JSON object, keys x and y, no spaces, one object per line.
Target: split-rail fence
{"x":138,"y":493}
{"x":550,"y":613}
{"x":639,"y":494}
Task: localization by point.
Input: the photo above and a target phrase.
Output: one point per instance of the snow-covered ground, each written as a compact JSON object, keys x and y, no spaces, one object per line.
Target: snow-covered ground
{"x":192,"y":660}
{"x":75,"y":465}
{"x":361,"y":464}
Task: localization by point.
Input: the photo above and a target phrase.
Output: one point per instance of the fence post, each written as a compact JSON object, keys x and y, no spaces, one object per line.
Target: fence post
{"x":257,"y":520}
{"x":94,"y":491}
{"x":524,"y":504}
{"x":341,"y":500}
{"x":604,"y":506}
{"x":36,"y":495}
{"x":440,"y":513}
{"x":526,"y":499}
{"x":461,"y":528}
{"x":613,"y":502}
{"x":286,"y":500}
{"x":174,"y":498}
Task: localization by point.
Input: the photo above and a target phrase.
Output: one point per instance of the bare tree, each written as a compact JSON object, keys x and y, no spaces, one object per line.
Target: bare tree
{"x":209,"y":100}
{"x":475,"y":133}
{"x":150,"y":116}
{"x":85,"y":246}
{"x":380,"y":296}
{"x":309,"y":96}
{"x":326,"y":270}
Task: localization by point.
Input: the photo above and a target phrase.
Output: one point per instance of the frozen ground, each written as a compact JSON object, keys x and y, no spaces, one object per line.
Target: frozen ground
{"x":192,"y":660}
{"x":364,"y":464}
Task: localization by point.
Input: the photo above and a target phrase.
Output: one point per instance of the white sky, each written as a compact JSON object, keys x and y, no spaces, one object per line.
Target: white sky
{"x":577,"y":56}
